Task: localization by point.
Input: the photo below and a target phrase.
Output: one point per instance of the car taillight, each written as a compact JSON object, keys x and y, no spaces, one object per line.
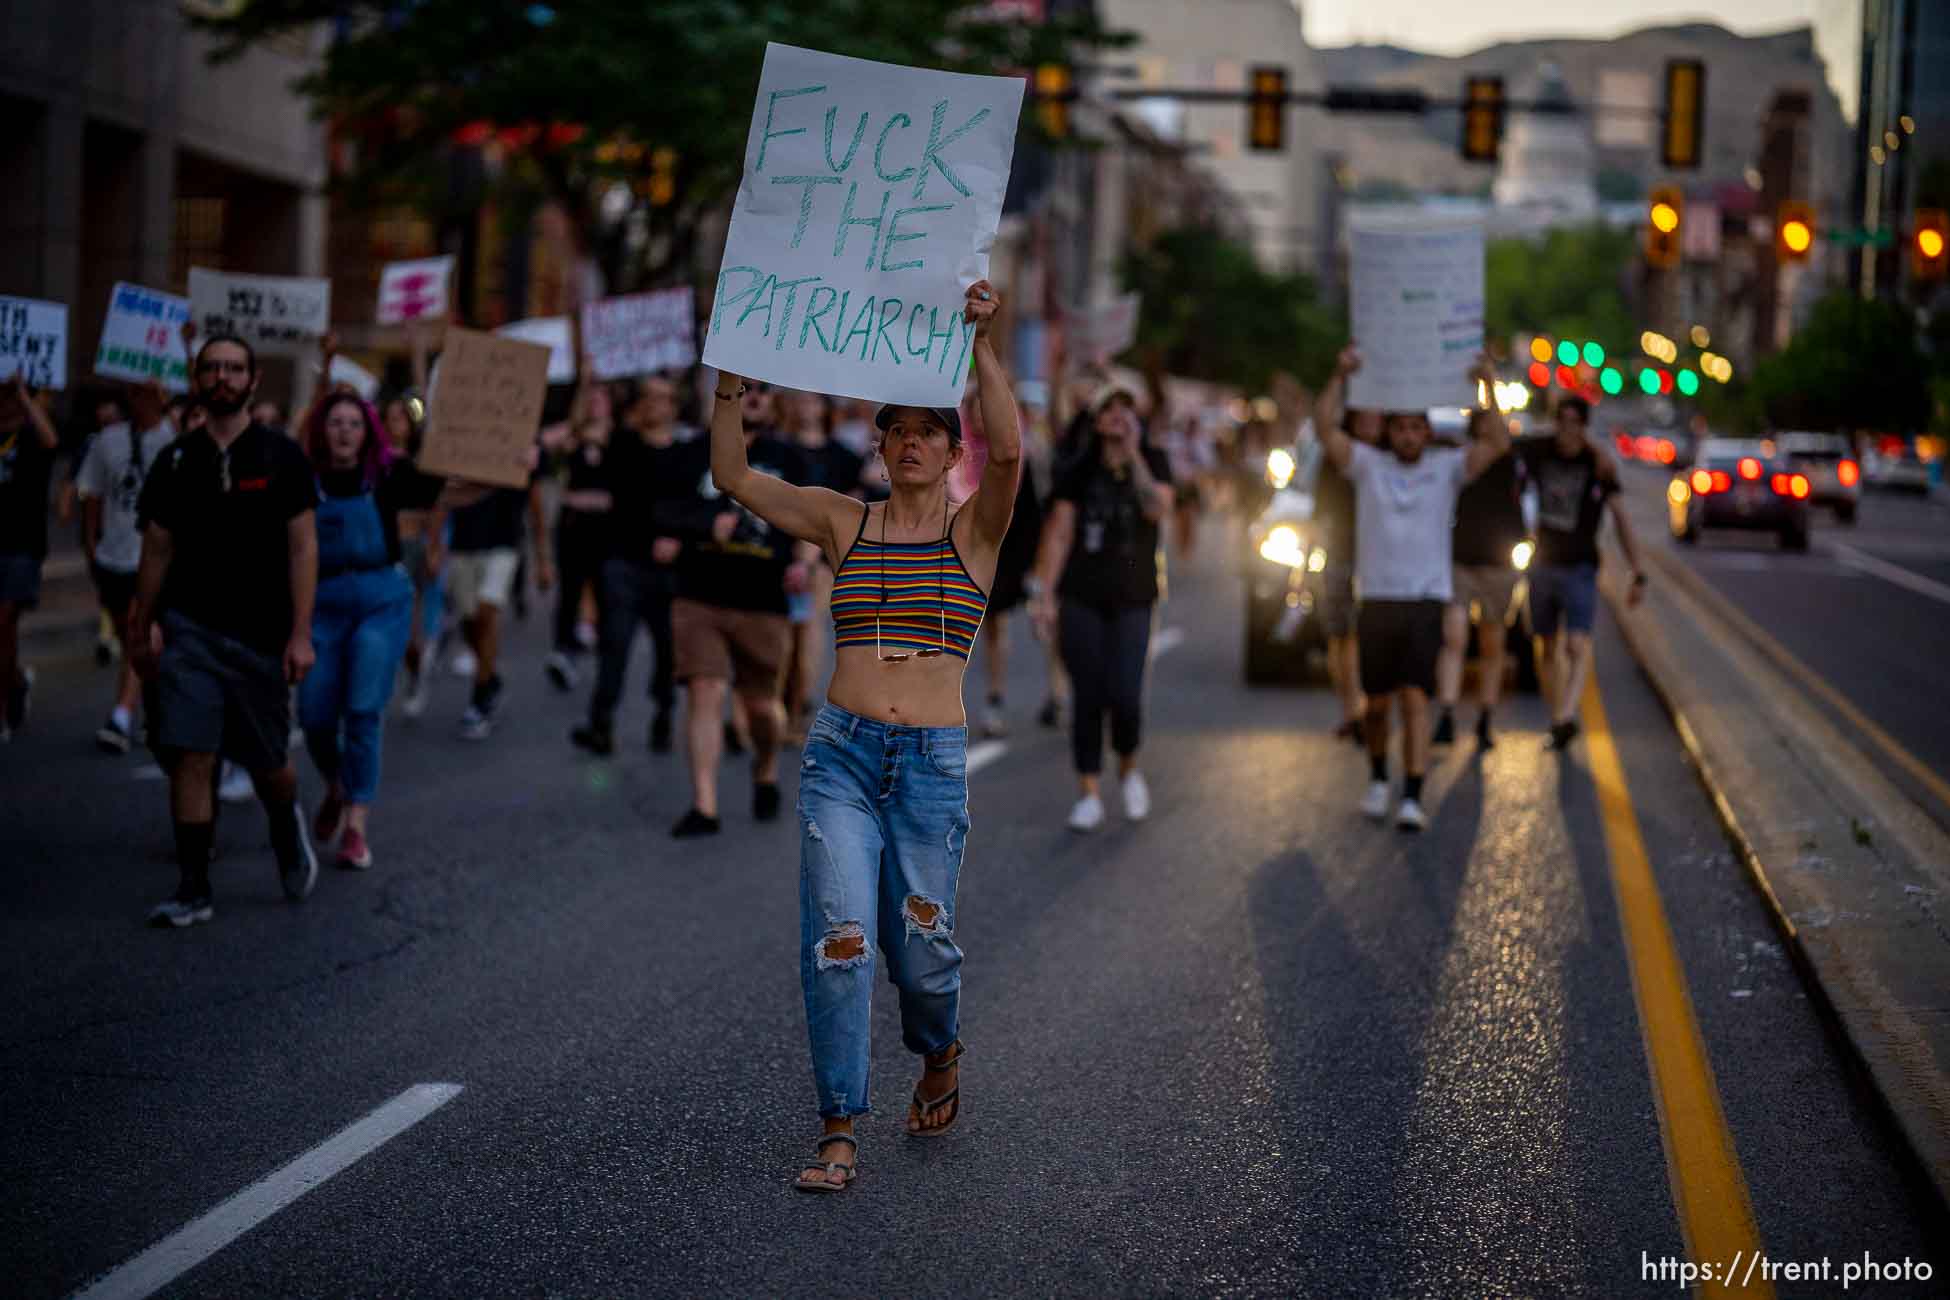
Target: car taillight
{"x":1625,"y":444}
{"x":1749,"y":467}
{"x":1667,"y":452}
{"x":1702,"y":482}
{"x":1780,"y":485}
{"x":1798,"y":485}
{"x":1849,"y":473}
{"x":1648,"y":446}
{"x":1720,"y":481}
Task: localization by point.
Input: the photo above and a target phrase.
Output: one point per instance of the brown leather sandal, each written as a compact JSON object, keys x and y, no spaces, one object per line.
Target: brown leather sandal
{"x":825,"y":1183}
{"x":926,"y":1106}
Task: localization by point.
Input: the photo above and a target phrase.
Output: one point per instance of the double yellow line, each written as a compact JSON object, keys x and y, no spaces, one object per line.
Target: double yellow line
{"x":1716,"y":1215}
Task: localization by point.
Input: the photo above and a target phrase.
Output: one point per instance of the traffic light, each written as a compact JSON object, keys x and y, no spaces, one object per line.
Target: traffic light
{"x":1053,"y":95}
{"x":1482,"y":118}
{"x":663,"y":177}
{"x":1794,"y":230}
{"x":1266,"y":110}
{"x":1929,"y":246}
{"x":1685,"y":115}
{"x":1662,"y":218}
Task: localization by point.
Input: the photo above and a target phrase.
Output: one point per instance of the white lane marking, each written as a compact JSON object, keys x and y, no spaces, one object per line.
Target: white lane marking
{"x":182,"y":1250}
{"x":1166,"y":639}
{"x":984,"y":752}
{"x":1888,"y":572}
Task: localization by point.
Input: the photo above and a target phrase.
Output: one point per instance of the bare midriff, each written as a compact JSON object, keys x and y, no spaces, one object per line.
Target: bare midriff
{"x":911,"y":693}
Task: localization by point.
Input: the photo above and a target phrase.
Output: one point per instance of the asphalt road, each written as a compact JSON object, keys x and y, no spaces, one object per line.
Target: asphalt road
{"x":1253,"y":1046}
{"x":1866,"y":608}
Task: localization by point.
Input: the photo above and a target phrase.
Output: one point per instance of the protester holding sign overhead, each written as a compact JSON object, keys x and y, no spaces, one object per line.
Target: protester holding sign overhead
{"x":229,"y":569}
{"x":884,"y":784}
{"x":28,"y":441}
{"x":1405,"y":494}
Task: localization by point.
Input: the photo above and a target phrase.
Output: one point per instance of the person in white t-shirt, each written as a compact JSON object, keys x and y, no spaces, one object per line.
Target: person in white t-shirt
{"x":1405,"y":506}
{"x":110,"y":482}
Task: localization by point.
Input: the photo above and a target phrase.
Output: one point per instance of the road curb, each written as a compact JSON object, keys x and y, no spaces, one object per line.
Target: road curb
{"x":1905,"y":1101}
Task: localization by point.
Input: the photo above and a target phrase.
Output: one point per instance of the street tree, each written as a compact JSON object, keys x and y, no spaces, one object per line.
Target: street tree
{"x":630,"y":114}
{"x":1212,"y":312}
{"x":1571,"y":283}
{"x":1855,"y":365}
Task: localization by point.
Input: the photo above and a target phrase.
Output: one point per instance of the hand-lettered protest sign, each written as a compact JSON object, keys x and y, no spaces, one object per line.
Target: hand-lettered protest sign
{"x":1417,"y":303}
{"x":640,"y":332}
{"x":485,"y":408}
{"x":870,"y":197}
{"x":278,"y":315}
{"x":354,"y":376}
{"x":417,"y":290}
{"x":553,"y":333}
{"x":142,"y":338}
{"x":1106,"y":330}
{"x":34,"y":341}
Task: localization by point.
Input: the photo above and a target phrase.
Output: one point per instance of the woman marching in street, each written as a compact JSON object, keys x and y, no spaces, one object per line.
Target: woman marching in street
{"x":1100,"y":554}
{"x":884,"y":781}
{"x":363,"y":612}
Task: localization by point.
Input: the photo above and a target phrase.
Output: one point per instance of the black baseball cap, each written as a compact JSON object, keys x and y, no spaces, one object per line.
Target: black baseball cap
{"x":949,"y":417}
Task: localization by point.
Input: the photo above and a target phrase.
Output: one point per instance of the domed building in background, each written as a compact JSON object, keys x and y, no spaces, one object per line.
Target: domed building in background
{"x":1549,"y":166}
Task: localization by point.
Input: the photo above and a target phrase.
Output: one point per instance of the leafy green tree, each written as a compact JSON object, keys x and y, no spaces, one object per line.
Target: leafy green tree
{"x":1569,"y":284}
{"x":1212,"y":312}
{"x":590,"y":100}
{"x":1854,"y":365}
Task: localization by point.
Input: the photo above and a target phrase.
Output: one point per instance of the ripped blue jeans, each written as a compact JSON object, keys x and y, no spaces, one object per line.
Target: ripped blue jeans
{"x":883,"y":820}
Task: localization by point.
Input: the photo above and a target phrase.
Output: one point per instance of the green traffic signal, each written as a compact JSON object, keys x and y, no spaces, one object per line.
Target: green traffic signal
{"x":1567,"y":353}
{"x":1594,"y":355}
{"x":1648,"y":381}
{"x":1610,"y":380}
{"x":1688,"y":382}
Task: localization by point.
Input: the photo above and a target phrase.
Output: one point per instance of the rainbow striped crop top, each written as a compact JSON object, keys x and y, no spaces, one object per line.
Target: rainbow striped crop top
{"x":919,"y":593}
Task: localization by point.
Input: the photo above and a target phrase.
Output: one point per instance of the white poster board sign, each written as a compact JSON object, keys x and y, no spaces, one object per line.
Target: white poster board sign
{"x":354,"y":376}
{"x":553,"y":333}
{"x":869,"y":201}
{"x":1107,"y":330}
{"x":278,"y":315}
{"x":641,"y":332}
{"x":416,"y":290}
{"x":34,"y":341}
{"x":142,"y":338}
{"x":1416,"y":296}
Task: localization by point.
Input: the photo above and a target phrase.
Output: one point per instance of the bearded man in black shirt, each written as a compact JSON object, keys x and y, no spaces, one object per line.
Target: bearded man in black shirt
{"x":229,"y":568}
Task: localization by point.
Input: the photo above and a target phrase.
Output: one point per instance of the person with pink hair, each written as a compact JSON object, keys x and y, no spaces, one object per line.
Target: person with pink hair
{"x":364,"y":610}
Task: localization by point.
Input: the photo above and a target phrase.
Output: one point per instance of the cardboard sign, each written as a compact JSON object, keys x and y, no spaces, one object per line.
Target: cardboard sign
{"x":553,"y":333}
{"x":1108,"y":330}
{"x":869,"y":201}
{"x":278,"y":315}
{"x":142,"y":338}
{"x":416,"y":290}
{"x":485,"y":408}
{"x":34,"y":341}
{"x":640,"y":332}
{"x":1416,"y":295}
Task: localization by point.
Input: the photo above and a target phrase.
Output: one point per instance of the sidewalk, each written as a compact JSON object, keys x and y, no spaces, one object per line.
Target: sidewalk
{"x":1856,"y":875}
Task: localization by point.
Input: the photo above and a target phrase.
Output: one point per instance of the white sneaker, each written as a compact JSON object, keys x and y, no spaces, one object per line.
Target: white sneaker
{"x":415,"y":702}
{"x":1087,"y":814}
{"x":463,"y":663}
{"x":235,"y":786}
{"x":561,"y":670}
{"x":1410,"y":817}
{"x":1375,"y":802}
{"x":1137,"y":797}
{"x":993,"y":725}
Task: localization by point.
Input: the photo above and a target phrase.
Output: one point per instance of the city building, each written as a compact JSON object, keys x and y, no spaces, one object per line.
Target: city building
{"x":133,"y":158}
{"x":1548,"y":164}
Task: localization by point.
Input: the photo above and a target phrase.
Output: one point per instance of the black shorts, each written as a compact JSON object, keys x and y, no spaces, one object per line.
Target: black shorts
{"x":115,"y":588}
{"x":216,"y":695}
{"x":1400,"y":642}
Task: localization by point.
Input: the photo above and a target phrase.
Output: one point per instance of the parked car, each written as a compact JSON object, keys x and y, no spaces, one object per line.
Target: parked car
{"x":1828,"y":459}
{"x":1739,"y":483}
{"x":1894,"y":462}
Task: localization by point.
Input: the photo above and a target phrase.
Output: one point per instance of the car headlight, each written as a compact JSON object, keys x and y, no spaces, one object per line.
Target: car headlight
{"x":1316,"y":560}
{"x":1281,"y":545}
{"x":1520,"y":554}
{"x":1279,"y":467}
